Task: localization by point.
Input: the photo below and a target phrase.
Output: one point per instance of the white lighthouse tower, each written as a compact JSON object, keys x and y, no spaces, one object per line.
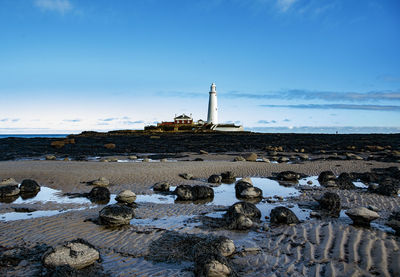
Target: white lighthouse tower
{"x":212,"y":117}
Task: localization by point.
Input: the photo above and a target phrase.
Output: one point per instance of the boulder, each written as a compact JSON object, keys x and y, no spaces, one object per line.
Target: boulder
{"x":220,"y":245}
{"x":283,"y":159}
{"x":132,"y":157}
{"x":9,"y":188}
{"x":245,"y":189}
{"x":327,"y":179}
{"x":99,"y":195}
{"x":29,"y":186}
{"x":251,"y":157}
{"x":265,"y":160}
{"x":288,"y":176}
{"x":50,"y":158}
{"x":330,"y":203}
{"x":193,"y":193}
{"x":161,"y":186}
{"x":389,"y":187}
{"x":244,"y":208}
{"x":344,"y":181}
{"x":101,"y":182}
{"x":239,"y":159}
{"x":186,"y":176}
{"x":77,"y":254}
{"x":212,"y":265}
{"x":116,"y":215}
{"x":126,"y":196}
{"x":362,"y":216}
{"x":203,"y":152}
{"x":283,"y":215}
{"x":215,"y":179}
{"x":228,"y":177}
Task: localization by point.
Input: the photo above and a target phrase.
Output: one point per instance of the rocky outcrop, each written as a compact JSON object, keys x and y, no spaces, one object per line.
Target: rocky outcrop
{"x":77,"y":254}
{"x":283,"y":215}
{"x":116,"y":215}
{"x":193,"y":193}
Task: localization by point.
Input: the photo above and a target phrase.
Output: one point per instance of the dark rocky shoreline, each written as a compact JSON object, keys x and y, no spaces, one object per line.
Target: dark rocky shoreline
{"x":94,"y":144}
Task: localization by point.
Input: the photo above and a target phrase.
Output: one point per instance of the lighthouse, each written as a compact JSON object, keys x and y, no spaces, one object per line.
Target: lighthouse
{"x":212,"y":117}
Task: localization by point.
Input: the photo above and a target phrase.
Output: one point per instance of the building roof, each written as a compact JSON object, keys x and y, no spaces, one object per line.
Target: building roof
{"x":183,"y":116}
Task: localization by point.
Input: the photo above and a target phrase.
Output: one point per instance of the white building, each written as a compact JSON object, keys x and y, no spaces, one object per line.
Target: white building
{"x":212,"y":117}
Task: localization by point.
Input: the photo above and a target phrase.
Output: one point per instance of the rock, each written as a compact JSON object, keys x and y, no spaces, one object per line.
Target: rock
{"x":132,"y":157}
{"x":212,"y":265}
{"x":273,"y":153}
{"x":330,"y":202}
{"x":239,"y":159}
{"x":373,"y":208}
{"x":186,"y":176}
{"x":146,"y":160}
{"x":77,"y":254}
{"x":8,"y":181}
{"x":50,"y":158}
{"x":247,"y":209}
{"x":394,"y":222}
{"x":252,"y":157}
{"x":219,"y":245}
{"x":344,"y":181}
{"x":351,"y":156}
{"x":215,"y":179}
{"x":164,"y":160}
{"x":66,"y":159}
{"x":309,"y":182}
{"x":245,"y":190}
{"x":228,"y":176}
{"x":283,"y":159}
{"x":327,"y":179}
{"x":9,"y":189}
{"x":283,"y":215}
{"x":388,"y":187}
{"x":161,"y":186}
{"x":303,"y":157}
{"x":101,"y":182}
{"x":126,"y":196}
{"x":192,"y":193}
{"x":116,"y":215}
{"x":109,"y":146}
{"x":203,"y":152}
{"x":99,"y":195}
{"x":288,"y":176}
{"x":265,"y":160}
{"x":29,"y":186}
{"x":362,"y":216}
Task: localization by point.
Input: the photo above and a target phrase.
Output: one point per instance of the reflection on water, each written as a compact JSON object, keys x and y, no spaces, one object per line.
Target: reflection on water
{"x":47,"y":194}
{"x":167,"y":222}
{"x":18,"y":216}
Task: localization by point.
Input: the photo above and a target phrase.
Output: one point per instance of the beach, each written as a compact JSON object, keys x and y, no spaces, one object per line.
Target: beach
{"x":314,"y":247}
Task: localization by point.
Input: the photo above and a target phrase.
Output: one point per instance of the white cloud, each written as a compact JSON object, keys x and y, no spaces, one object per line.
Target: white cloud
{"x":284,"y":5}
{"x":60,"y":6}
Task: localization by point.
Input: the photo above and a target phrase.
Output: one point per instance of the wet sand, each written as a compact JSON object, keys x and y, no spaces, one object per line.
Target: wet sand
{"x":327,"y":247}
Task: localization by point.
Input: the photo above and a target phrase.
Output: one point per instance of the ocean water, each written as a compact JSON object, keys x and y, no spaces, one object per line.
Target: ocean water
{"x":33,"y":135}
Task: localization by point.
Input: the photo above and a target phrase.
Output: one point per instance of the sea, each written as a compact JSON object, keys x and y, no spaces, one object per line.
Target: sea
{"x":33,"y":135}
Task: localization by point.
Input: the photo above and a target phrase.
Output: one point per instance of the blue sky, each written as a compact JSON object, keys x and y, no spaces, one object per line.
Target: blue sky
{"x":69,"y":65}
